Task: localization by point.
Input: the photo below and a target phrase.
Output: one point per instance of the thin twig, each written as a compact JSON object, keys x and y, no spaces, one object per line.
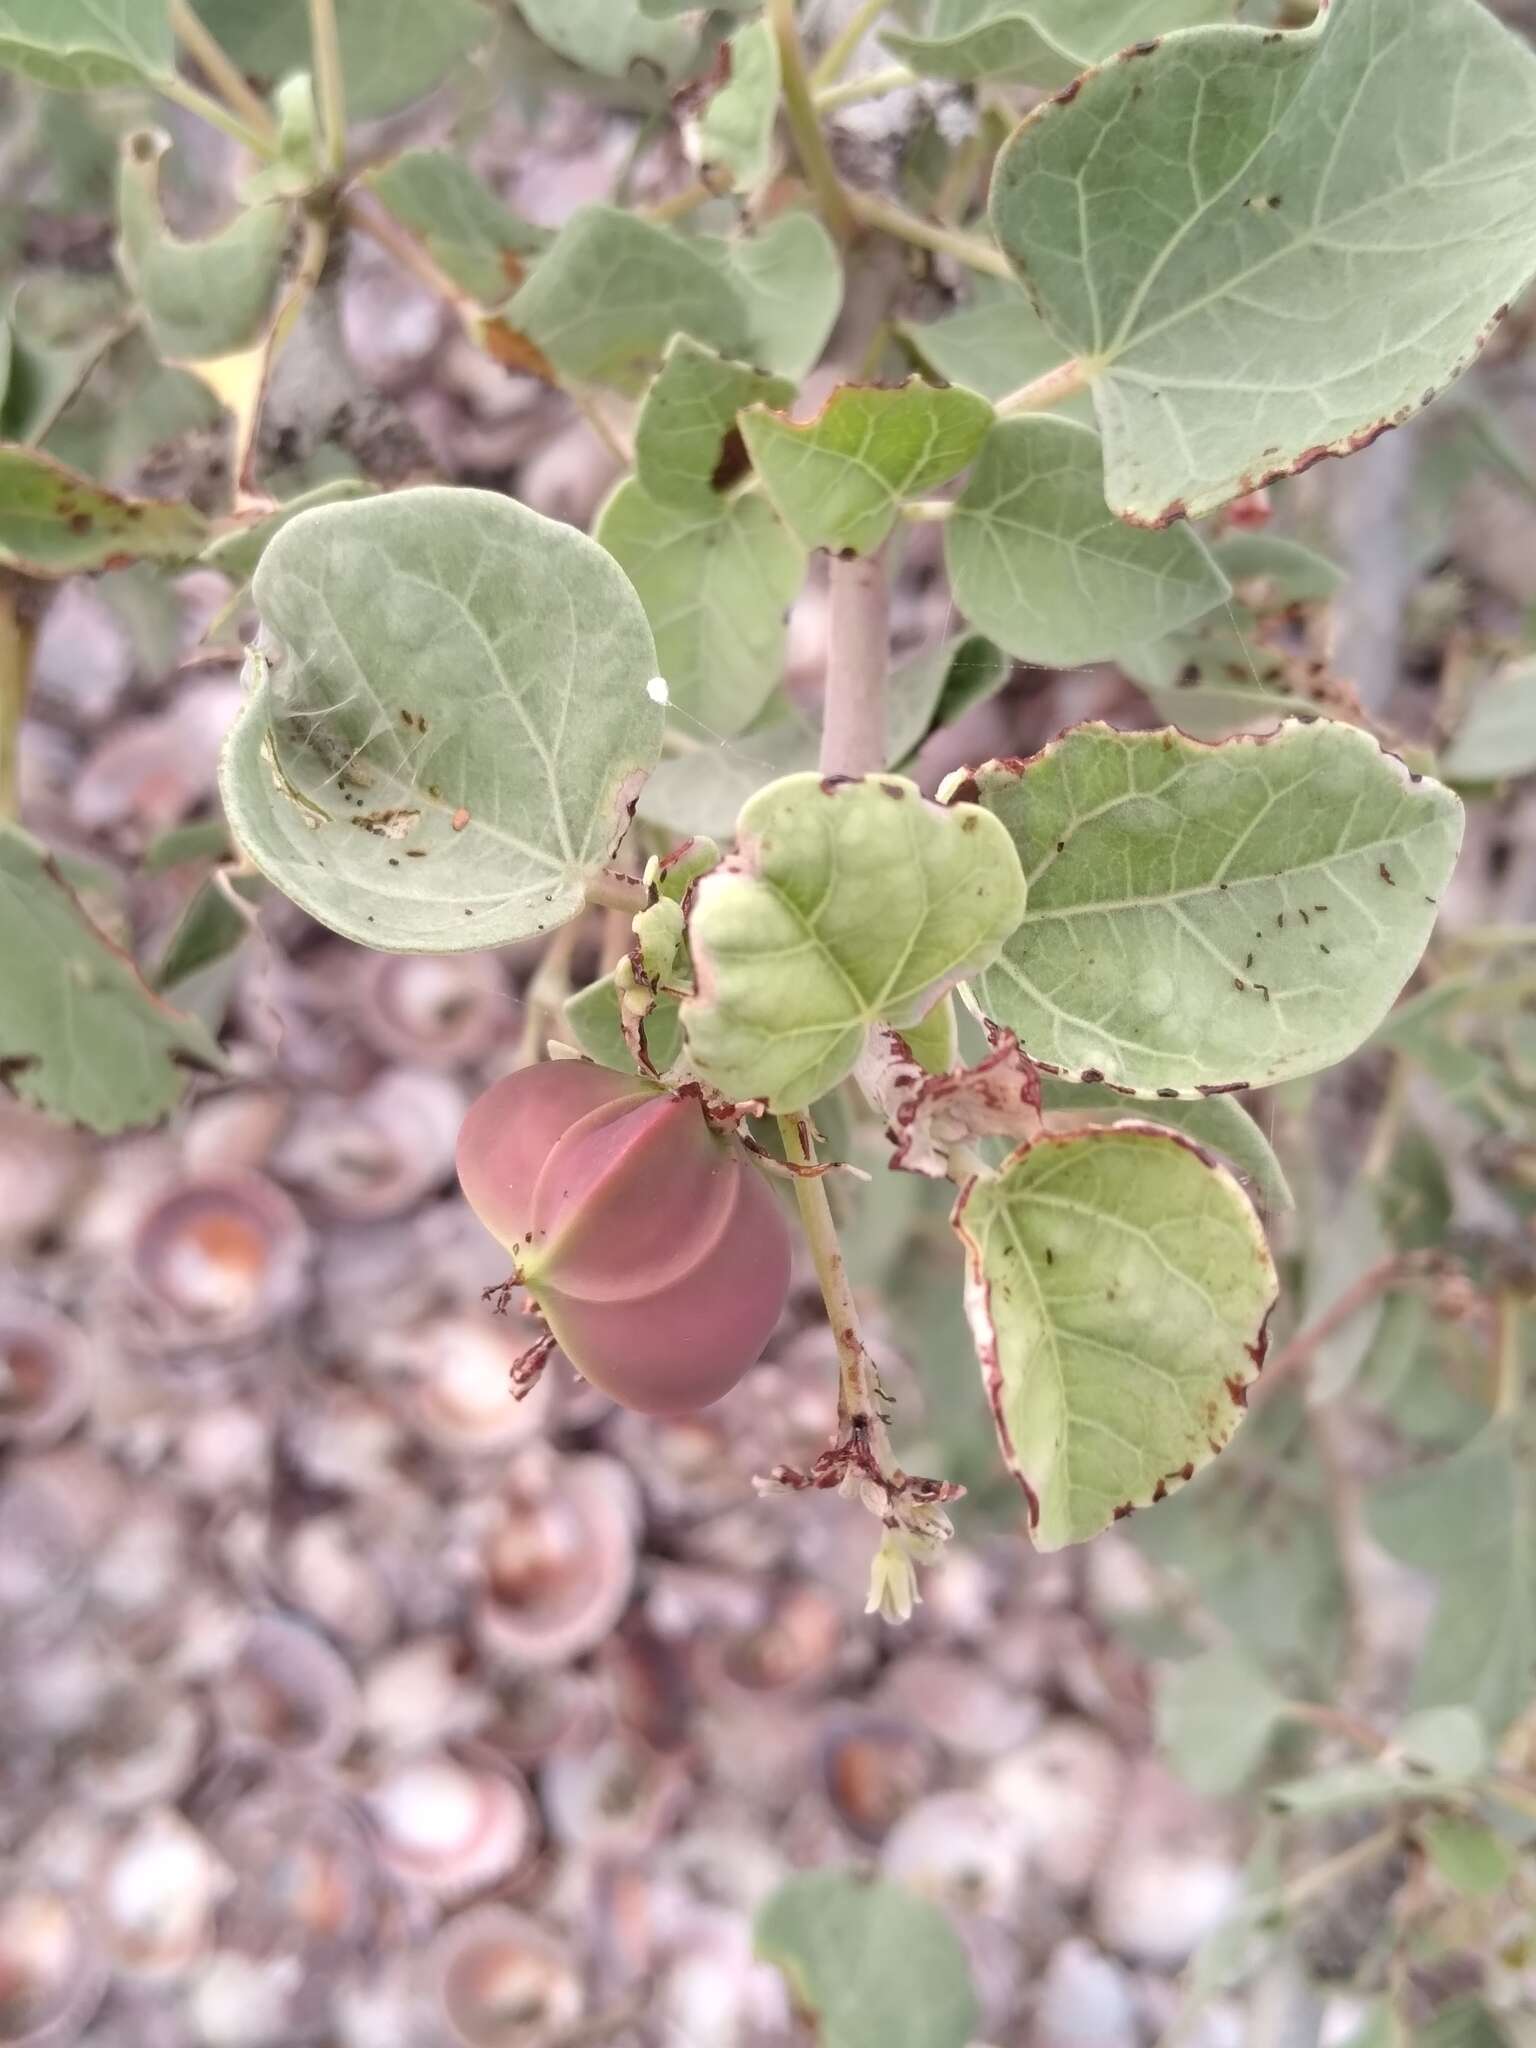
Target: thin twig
{"x":870,"y":85}
{"x":546,"y":993}
{"x":834,"y":59}
{"x":1389,"y":1273}
{"x":804,"y":128}
{"x":18,"y":635}
{"x":330,"y":85}
{"x":1054,"y":388}
{"x":873,"y":212}
{"x":857,"y":1395}
{"x":184,"y":94}
{"x":221,"y":70}
{"x":853,"y":729}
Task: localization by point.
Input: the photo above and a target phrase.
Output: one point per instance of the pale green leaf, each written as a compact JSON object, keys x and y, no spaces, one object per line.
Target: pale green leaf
{"x":236,"y":551}
{"x":611,"y":291}
{"x":83,"y":45}
{"x":392,"y":51}
{"x":1038,"y":562}
{"x":464,"y":227}
{"x":1204,"y":918}
{"x":203,"y":298}
{"x":610,"y":37}
{"x":717,"y":584}
{"x":82,"y":1035}
{"x":1246,"y":659}
{"x":932,"y":690}
{"x":55,"y":523}
{"x":449,"y":719}
{"x":1469,"y":1520}
{"x":790,"y":278}
{"x":298,"y":167}
{"x":1271,"y":573}
{"x":1219,"y":1122}
{"x":1378,"y":164}
{"x":685,"y":436}
{"x":846,"y":904}
{"x":1038,"y":42}
{"x":705,"y":788}
{"x":1216,"y":1716}
{"x":873,"y":1966}
{"x":1466,"y":2023}
{"x":592,"y":1019}
{"x":1118,"y":1287}
{"x":1497,"y":737}
{"x":1438,"y":1751}
{"x":1348,"y":1238}
{"x":1467,"y":1853}
{"x":840,"y":479}
{"x":211,"y":927}
{"x":995,"y":345}
{"x":735,"y":130}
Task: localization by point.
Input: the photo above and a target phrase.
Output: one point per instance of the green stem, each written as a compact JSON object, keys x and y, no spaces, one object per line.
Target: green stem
{"x":871,"y":85}
{"x":856,"y":1392}
{"x":873,"y":212}
{"x":547,"y":992}
{"x":221,"y":71}
{"x":184,"y":94}
{"x":616,"y":892}
{"x":835,"y":57}
{"x":330,"y":86}
{"x":853,"y":720}
{"x":804,"y":128}
{"x":17,"y":637}
{"x":1054,"y":388}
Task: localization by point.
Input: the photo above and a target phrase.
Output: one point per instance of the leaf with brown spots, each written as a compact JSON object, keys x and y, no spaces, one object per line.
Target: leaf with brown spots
{"x":54,"y":522}
{"x":1118,"y":1286}
{"x":1393,"y":150}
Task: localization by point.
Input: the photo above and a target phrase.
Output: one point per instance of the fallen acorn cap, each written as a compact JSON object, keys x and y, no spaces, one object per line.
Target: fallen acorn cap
{"x":651,"y":1246}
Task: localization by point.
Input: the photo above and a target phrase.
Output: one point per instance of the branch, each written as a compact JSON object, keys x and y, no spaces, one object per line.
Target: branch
{"x":222,"y":72}
{"x":1054,"y":388}
{"x":872,"y":212}
{"x":18,"y":634}
{"x":840,"y":50}
{"x":804,"y":128}
{"x":330,"y":87}
{"x":1382,"y":1278}
{"x":853,"y":726}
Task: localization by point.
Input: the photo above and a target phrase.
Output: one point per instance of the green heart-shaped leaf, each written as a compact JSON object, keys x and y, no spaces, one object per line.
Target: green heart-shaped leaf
{"x":203,"y":298}
{"x":1204,"y":918}
{"x":611,"y":291}
{"x":717,"y":582}
{"x":1118,"y":1285}
{"x":81,"y":45}
{"x":873,"y":1966}
{"x":735,"y":130}
{"x":840,"y":479}
{"x":1038,"y":42}
{"x":687,"y":451}
{"x":82,"y":1035}
{"x":1038,"y":561}
{"x":1183,"y":215}
{"x":55,"y":523}
{"x":449,"y":722}
{"x":847,"y":903}
{"x":473,"y":239}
